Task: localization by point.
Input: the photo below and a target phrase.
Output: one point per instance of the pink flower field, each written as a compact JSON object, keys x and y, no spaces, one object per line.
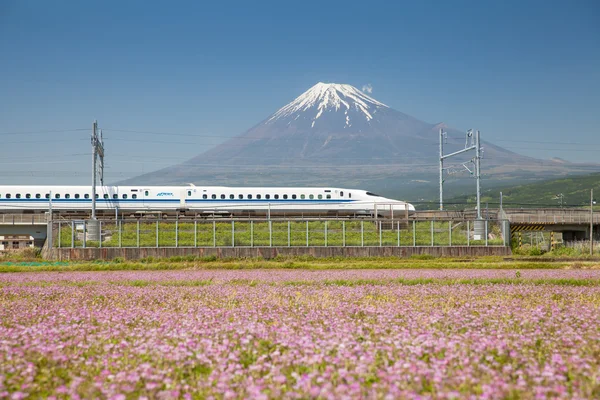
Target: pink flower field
{"x":301,"y":334}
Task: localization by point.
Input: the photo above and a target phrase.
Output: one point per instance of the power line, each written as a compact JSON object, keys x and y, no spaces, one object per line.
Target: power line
{"x":44,"y":131}
{"x":164,"y":133}
{"x":43,"y":141}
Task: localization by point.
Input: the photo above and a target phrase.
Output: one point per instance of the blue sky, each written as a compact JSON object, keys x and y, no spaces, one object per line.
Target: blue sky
{"x":516,"y":70}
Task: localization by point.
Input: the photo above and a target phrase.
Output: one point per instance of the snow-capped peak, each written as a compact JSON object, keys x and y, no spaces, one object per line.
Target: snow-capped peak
{"x":328,"y":97}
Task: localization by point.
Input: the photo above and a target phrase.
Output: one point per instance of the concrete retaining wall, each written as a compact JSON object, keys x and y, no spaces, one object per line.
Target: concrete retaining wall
{"x":272,"y":252}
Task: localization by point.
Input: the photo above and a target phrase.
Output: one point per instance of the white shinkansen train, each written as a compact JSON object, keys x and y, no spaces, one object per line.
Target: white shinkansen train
{"x":207,"y":200}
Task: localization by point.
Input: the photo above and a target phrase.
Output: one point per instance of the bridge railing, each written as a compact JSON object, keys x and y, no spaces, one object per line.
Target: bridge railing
{"x":547,"y":218}
{"x":277,"y":233}
{"x":23,"y":219}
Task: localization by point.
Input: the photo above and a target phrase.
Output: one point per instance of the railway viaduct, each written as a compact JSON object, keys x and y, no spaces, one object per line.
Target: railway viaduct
{"x":573,"y":224}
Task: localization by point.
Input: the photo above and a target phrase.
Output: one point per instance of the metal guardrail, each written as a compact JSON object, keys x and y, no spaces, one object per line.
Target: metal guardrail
{"x":274,"y":233}
{"x":543,"y":218}
{"x":23,"y":219}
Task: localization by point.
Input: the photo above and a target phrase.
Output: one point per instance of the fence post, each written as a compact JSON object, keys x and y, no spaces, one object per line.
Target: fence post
{"x":177,"y":232}
{"x":468,"y":233}
{"x":232,"y":233}
{"x":72,"y":234}
{"x":195,"y":233}
{"x":486,"y":232}
{"x":306,"y":233}
{"x":325,"y":233}
{"x":450,"y":233}
{"x":414,"y":233}
{"x":214,"y":234}
{"x":289,"y":238}
{"x":59,"y":224}
{"x":379,"y":233}
{"x":270,"y":233}
{"x":343,"y":233}
{"x":100,"y":237}
{"x":157,"y":233}
{"x":120,"y":227}
{"x":362,"y":233}
{"x":398,"y":226}
{"x":84,"y":234}
{"x":251,"y":233}
{"x":432,"y":233}
{"x":137,"y":233}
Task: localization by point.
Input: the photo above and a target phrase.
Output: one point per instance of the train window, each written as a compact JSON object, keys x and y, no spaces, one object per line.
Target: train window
{"x":267,"y":196}
{"x":328,"y":196}
{"x":349,"y":195}
{"x":320,"y":196}
{"x":47,"y":195}
{"x":258,"y":196}
{"x":86,"y":196}
{"x":124,"y":196}
{"x":293,"y":196}
{"x":285,"y":196}
{"x":134,"y":196}
{"x":204,"y":196}
{"x":28,"y":196}
{"x":76,"y":196}
{"x":341,"y":194}
{"x":311,"y":196}
{"x":214,"y":196}
{"x":327,"y":190}
{"x":222,"y":196}
{"x":57,"y":196}
{"x":38,"y":196}
{"x":276,"y":196}
{"x":106,"y":196}
{"x":115,"y":196}
{"x":18,"y":195}
{"x":240,"y":196}
{"x":373,"y":194}
{"x":146,"y":193}
{"x":232,"y":196}
{"x":97,"y":196}
{"x":302,"y":196}
{"x":67,"y":196}
{"x":189,"y":192}
{"x":250,"y":196}
{"x":8,"y":195}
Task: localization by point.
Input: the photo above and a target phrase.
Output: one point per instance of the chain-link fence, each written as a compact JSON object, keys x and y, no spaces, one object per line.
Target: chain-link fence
{"x":271,"y":233}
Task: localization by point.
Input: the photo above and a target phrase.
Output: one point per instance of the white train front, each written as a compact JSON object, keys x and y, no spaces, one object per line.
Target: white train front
{"x":201,"y":199}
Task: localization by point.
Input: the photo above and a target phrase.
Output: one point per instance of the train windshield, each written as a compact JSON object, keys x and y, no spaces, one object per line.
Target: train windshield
{"x":373,"y":194}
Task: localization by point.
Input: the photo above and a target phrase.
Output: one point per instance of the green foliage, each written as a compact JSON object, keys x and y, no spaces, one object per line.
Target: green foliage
{"x":575,"y":189}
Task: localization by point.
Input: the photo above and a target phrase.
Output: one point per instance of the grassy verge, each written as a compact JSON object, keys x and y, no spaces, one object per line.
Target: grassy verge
{"x":327,"y":282}
{"x":309,"y":263}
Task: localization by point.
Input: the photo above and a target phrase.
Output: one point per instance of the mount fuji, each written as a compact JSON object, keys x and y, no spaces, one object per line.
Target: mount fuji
{"x":336,"y":134}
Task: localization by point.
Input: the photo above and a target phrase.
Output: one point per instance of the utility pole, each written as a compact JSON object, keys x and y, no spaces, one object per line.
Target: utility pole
{"x":478,"y":172}
{"x":591,"y":222}
{"x":97,"y":153}
{"x":441,"y":169}
{"x":501,"y":202}
{"x":93,"y":228}
{"x":475,"y":144}
{"x":94,"y":157}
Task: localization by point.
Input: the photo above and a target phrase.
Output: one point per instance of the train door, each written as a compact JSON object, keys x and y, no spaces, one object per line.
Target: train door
{"x":182,"y":197}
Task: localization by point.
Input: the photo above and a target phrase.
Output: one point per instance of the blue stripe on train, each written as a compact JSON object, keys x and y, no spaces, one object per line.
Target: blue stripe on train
{"x":178,"y":200}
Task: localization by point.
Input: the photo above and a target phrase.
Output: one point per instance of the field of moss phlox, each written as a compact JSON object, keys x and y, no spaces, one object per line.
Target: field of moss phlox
{"x":301,"y":334}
